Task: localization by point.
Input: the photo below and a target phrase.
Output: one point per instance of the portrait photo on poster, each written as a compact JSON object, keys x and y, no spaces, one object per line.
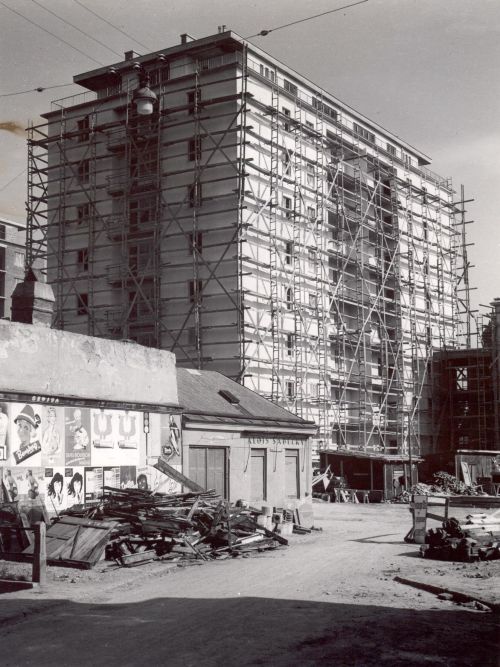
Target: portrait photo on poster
{"x":26,"y":444}
{"x":77,"y":429}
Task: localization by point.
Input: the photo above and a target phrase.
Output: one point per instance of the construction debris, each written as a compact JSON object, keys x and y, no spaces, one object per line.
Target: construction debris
{"x":132,"y":527}
{"x":477,"y":539}
{"x":444,"y":484}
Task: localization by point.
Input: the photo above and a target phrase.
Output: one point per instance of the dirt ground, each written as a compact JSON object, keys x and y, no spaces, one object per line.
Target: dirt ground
{"x":330,"y":597}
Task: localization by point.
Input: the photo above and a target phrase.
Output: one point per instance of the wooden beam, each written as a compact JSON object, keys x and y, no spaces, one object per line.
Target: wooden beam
{"x":177,"y":476}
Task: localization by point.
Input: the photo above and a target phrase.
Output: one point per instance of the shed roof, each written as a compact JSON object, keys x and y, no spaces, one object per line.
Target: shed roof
{"x":202,"y":400}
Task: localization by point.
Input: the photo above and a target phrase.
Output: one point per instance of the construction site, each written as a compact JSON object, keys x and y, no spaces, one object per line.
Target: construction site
{"x":208,"y":200}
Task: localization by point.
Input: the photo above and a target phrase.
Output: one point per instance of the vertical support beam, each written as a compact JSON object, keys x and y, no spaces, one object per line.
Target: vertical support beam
{"x":39,"y":573}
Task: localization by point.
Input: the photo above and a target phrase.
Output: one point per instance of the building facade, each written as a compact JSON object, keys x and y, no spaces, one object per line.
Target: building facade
{"x":254,"y":225}
{"x":12,"y":255}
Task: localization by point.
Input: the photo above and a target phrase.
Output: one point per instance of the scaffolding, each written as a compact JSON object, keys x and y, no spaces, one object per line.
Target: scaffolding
{"x":255,"y":226}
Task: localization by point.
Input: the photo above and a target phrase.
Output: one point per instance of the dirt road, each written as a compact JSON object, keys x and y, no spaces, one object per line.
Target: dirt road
{"x":330,"y":598}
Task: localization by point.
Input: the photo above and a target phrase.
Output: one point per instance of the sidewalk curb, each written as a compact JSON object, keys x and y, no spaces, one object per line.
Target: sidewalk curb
{"x":458,"y":596}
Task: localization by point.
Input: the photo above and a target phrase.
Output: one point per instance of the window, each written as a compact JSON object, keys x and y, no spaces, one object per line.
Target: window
{"x":194,"y":149}
{"x":159,"y":75}
{"x":289,"y":298}
{"x":286,"y":163}
{"x":313,"y":300}
{"x":364,"y":133}
{"x":140,"y":256}
{"x":324,"y":109}
{"x":82,"y":213}
{"x":142,"y":212}
{"x":196,"y":242}
{"x":286,"y":123}
{"x":391,"y":149}
{"x":268,"y":73}
{"x":290,"y":389}
{"x":288,"y":252}
{"x":311,"y":212}
{"x":82,"y":303}
{"x":84,"y":171}
{"x":287,"y":205}
{"x":195,"y":291}
{"x":19,"y":260}
{"x":195,"y":195}
{"x":83,"y":130}
{"x":462,"y":378}
{"x":289,"y":344}
{"x":82,"y":261}
{"x":311,"y":177}
{"x":311,"y":259}
{"x":194,"y":100}
{"x":290,"y":87}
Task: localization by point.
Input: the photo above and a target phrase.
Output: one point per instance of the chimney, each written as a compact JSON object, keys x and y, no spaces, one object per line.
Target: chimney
{"x":32,"y":301}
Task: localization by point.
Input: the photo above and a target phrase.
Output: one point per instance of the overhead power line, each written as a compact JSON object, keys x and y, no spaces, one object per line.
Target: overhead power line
{"x":263,"y":33}
{"x":112,"y":25}
{"x":40,"y":89}
{"x":12,"y":180}
{"x":14,"y":11}
{"x":76,"y":28}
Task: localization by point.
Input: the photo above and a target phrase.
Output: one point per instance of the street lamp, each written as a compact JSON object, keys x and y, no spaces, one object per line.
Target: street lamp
{"x":144,"y":98}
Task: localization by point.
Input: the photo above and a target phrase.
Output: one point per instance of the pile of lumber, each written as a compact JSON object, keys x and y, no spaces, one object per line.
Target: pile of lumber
{"x":145,"y":526}
{"x":477,"y":539}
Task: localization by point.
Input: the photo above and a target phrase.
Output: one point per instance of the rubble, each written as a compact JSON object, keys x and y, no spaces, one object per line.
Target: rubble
{"x":138,"y":526}
{"x":477,"y":539}
{"x":444,"y":484}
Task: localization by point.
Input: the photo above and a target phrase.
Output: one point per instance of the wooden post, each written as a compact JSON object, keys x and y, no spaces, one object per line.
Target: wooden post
{"x":39,"y":575}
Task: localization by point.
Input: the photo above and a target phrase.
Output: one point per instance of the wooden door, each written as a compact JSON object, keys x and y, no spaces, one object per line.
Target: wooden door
{"x":208,"y":468}
{"x":258,"y":480}
{"x":292,"y":488}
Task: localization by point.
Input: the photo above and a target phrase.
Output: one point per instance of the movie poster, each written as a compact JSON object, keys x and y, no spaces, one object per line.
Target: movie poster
{"x":56,"y":497}
{"x":52,"y":435}
{"x":4,"y":432}
{"x":77,"y":430}
{"x":25,"y":441}
{"x":115,"y":437}
{"x":93,"y":483}
{"x":74,"y":483}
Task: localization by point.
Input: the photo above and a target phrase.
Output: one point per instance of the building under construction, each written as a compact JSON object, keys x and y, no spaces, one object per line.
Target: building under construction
{"x":253,"y":224}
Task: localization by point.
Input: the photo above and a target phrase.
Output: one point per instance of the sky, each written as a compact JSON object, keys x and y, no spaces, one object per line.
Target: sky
{"x":427,"y":70}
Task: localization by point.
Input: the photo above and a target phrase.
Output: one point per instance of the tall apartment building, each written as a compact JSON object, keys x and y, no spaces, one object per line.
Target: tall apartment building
{"x":256,"y":225}
{"x":12,"y":254}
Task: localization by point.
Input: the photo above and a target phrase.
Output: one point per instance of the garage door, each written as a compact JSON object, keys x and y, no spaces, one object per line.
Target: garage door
{"x":208,"y":468}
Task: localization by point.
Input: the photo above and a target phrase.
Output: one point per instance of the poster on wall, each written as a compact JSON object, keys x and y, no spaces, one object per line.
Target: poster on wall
{"x":77,"y":429}
{"x":25,"y":441}
{"x":4,"y":431}
{"x":73,"y":478}
{"x":93,"y":483}
{"x":115,"y":437}
{"x":52,"y":435}
{"x":120,"y":477}
{"x":56,"y":499}
{"x":170,"y":437}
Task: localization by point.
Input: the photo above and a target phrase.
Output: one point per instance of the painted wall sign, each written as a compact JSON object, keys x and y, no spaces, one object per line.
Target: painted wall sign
{"x":274,"y":441}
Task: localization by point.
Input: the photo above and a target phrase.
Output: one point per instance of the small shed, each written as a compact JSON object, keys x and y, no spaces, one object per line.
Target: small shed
{"x":478,"y":466}
{"x":384,"y":476}
{"x":241,"y":444}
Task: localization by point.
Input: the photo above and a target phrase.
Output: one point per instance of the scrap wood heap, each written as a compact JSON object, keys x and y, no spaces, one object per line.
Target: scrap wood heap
{"x":477,"y":539}
{"x":443,"y":484}
{"x":187,"y":526}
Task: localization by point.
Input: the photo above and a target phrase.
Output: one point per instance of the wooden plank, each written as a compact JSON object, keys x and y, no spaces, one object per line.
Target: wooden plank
{"x":177,"y":476}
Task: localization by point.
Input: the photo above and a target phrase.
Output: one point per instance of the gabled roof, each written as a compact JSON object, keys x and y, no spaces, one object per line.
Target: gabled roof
{"x":211,"y":397}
